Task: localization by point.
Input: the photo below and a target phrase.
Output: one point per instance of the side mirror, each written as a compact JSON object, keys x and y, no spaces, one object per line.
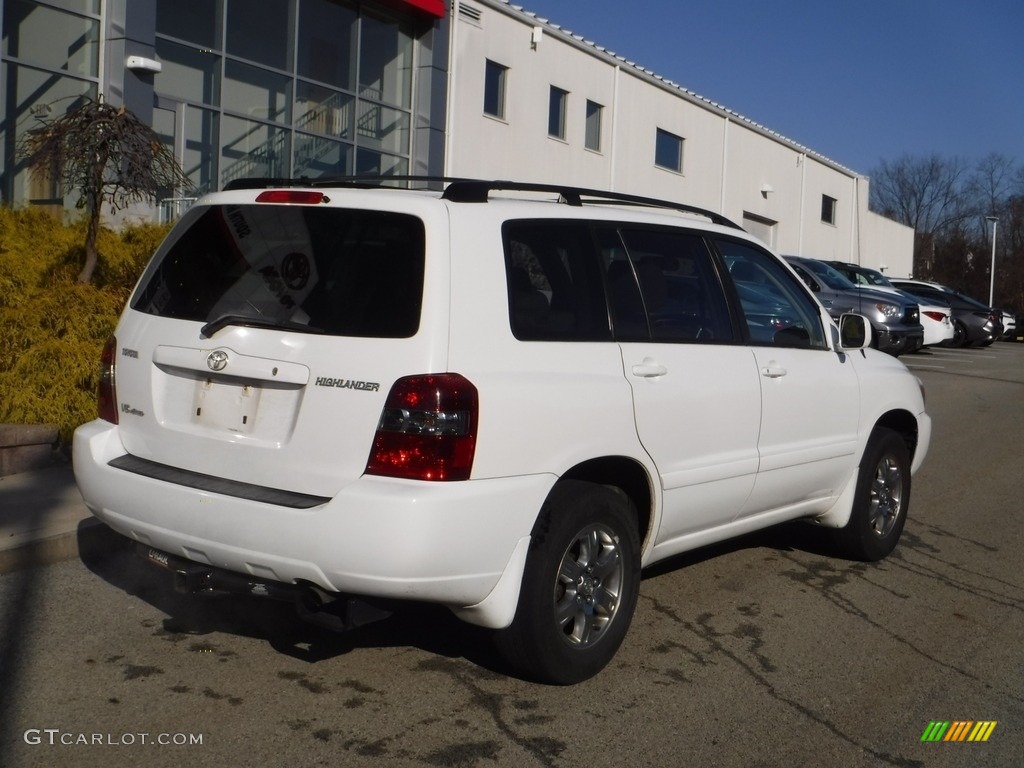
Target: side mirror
{"x":854,"y":331}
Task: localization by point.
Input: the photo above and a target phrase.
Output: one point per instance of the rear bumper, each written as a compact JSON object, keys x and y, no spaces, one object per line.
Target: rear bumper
{"x":448,"y":543}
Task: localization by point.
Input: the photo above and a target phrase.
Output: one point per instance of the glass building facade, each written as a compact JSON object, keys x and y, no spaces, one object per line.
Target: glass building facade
{"x":51,"y":60}
{"x":245,"y":88}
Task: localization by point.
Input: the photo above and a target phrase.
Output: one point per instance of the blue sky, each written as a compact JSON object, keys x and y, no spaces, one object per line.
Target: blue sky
{"x":859,"y":82}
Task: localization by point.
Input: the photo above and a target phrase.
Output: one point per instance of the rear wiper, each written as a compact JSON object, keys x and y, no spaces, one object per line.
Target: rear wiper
{"x":255,"y":322}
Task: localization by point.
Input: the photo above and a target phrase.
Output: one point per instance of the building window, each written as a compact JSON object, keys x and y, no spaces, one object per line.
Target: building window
{"x":557,"y":102}
{"x":828,"y":209}
{"x":259,"y":30}
{"x":328,"y":44}
{"x":494,"y":89}
{"x":668,"y":151}
{"x":385,"y":62}
{"x":304,"y":88}
{"x":593,"y":137}
{"x":50,"y":63}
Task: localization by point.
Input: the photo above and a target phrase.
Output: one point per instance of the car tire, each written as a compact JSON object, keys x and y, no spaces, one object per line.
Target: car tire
{"x":881,"y":499}
{"x":580,"y":586}
{"x":959,"y":335}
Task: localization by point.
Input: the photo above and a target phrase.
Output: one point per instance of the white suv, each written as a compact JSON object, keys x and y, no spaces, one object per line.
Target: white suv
{"x":505,"y":406}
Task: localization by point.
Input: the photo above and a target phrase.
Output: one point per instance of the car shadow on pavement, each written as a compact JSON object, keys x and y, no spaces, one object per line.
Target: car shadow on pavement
{"x":430,"y":628}
{"x":796,"y":536}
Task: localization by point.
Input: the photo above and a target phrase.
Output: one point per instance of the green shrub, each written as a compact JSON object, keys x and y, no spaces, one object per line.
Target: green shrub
{"x":52,"y":329}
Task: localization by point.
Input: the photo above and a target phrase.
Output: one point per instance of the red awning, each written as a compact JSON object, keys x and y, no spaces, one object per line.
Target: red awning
{"x":435,"y":8}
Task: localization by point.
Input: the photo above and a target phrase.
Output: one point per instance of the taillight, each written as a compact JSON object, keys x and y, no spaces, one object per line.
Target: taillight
{"x":427,"y":430}
{"x":936,"y":316}
{"x":297,"y":196}
{"x":107,"y":392}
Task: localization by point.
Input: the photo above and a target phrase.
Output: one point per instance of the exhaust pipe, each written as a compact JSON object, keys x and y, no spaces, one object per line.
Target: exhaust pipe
{"x":337,"y":612}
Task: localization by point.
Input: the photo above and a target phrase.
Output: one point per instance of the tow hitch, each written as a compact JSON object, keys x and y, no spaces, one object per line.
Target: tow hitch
{"x":331,"y":610}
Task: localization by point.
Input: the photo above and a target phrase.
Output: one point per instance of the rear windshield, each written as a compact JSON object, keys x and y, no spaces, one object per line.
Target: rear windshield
{"x":326,"y":270}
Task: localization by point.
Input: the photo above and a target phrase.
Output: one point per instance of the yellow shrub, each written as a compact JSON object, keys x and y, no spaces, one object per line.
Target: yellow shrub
{"x":52,"y":329}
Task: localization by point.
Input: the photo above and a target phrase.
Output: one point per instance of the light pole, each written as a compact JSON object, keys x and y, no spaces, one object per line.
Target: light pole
{"x":992,"y":277}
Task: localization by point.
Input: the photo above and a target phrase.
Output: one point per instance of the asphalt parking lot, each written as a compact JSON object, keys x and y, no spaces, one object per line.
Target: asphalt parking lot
{"x":994,"y":360}
{"x":766,"y":651}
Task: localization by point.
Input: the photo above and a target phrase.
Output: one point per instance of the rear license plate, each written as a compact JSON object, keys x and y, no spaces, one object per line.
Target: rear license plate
{"x":230,"y":406}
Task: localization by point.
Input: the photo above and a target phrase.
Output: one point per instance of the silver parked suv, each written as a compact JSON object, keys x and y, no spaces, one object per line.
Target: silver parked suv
{"x":502,"y":398}
{"x":895,"y":318}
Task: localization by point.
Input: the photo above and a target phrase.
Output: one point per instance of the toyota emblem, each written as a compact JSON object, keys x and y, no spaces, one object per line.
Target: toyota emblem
{"x":218,"y":360}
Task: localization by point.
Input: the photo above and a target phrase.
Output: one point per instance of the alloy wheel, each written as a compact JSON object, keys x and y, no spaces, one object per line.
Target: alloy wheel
{"x":886,"y":495}
{"x":588,"y":586}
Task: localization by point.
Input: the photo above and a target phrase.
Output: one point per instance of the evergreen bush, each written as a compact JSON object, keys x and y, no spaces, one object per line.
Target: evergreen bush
{"x":52,"y":328}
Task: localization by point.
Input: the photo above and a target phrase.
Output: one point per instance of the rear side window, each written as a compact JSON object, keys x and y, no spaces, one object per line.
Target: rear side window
{"x":554,"y":282}
{"x":329,"y":270}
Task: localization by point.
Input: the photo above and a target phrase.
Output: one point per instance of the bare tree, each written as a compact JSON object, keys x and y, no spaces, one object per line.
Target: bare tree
{"x":109,"y":156}
{"x":925,"y":193}
{"x":992,"y":182}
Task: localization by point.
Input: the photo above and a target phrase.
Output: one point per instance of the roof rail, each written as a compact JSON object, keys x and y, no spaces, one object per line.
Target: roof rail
{"x":477,"y":191}
{"x":358,"y":182}
{"x":462,"y":190}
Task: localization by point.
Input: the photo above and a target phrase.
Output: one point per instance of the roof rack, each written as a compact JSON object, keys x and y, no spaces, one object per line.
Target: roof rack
{"x":462,"y":190}
{"x":477,"y":191}
{"x":357,"y":182}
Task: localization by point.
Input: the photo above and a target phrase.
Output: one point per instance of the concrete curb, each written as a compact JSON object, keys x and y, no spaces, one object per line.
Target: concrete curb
{"x":24,"y":447}
{"x":44,"y":520}
{"x":90,"y":539}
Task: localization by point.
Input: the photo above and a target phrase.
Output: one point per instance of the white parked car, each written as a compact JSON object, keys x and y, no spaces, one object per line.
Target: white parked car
{"x":504,"y":406}
{"x":1009,"y":325}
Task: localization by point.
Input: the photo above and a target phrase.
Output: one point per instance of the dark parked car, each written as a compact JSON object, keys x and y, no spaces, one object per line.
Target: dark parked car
{"x":895,"y":319}
{"x":975,"y":323}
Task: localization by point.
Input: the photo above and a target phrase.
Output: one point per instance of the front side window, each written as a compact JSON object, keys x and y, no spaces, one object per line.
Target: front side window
{"x":776,"y":310}
{"x":557,"y":103}
{"x":494,"y":89}
{"x":318,"y":270}
{"x":668,"y":151}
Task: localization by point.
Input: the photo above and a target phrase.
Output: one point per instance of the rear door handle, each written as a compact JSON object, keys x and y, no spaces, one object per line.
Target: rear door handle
{"x":648,"y":368}
{"x":773,"y":371}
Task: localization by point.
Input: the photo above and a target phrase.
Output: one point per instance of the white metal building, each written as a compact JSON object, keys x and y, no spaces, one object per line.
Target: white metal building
{"x":478,"y":88}
{"x":531,"y":101}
